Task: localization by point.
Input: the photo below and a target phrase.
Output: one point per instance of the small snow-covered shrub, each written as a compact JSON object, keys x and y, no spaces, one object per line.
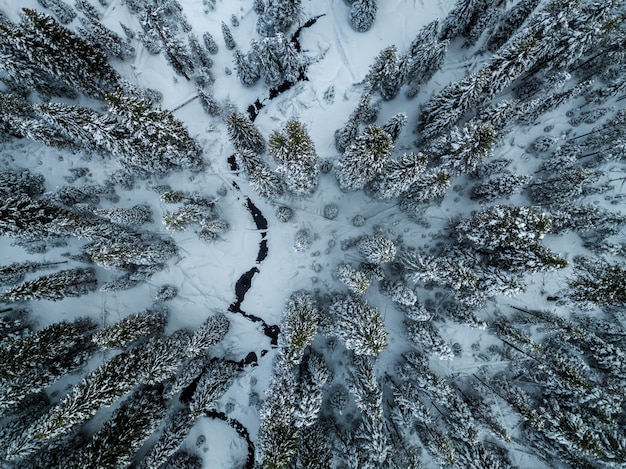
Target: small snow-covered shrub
{"x":284,"y":213}
{"x":331,"y":211}
{"x":359,"y":220}
{"x":542,"y":144}
{"x":166,"y":292}
{"x":302,"y":241}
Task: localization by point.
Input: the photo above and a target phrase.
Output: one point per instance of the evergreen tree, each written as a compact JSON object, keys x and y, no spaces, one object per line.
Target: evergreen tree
{"x":210,"y":333}
{"x":314,"y":374}
{"x":598,"y":281}
{"x":243,"y":134}
{"x":279,"y":59}
{"x":377,"y":249}
{"x":277,"y":16}
{"x":228,"y":37}
{"x":348,"y":133}
{"x":364,"y":159}
{"x":395,"y":124}
{"x":430,"y":185}
{"x":565,"y":186}
{"x":209,"y":43}
{"x":33,"y":361}
{"x":513,"y":20}
{"x":463,"y":149}
{"x":398,"y":176}
{"x":356,"y":281}
{"x":444,"y":109}
{"x":262,"y":179}
{"x":65,"y":283}
{"x":423,"y":58}
{"x":139,"y":415}
{"x":314,"y":450}
{"x":510,"y":62}
{"x":102,"y":37}
{"x":45,"y":45}
{"x":511,"y":236}
{"x":132,"y":216}
{"x":364,"y":386}
{"x":209,"y":103}
{"x":502,"y":186}
{"x":129,"y":254}
{"x":464,"y":15}
{"x":424,"y":336}
{"x":130,"y":329}
{"x":150,"y":363}
{"x":359,"y":326}
{"x":165,"y":141}
{"x":192,"y":212}
{"x":14,"y":273}
{"x":363,"y":14}
{"x":278,"y":434}
{"x":213,"y":383}
{"x":175,"y":430}
{"x":293,"y":151}
{"x":298,"y":328}
{"x":247,"y":70}
{"x":399,"y":292}
{"x":384,"y":74}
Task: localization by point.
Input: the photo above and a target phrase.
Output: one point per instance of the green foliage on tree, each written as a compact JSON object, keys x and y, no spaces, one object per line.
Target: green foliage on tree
{"x":294,"y":152}
{"x":364,"y":159}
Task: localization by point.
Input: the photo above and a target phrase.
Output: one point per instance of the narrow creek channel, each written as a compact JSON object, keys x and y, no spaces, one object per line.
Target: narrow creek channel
{"x":244,"y":283}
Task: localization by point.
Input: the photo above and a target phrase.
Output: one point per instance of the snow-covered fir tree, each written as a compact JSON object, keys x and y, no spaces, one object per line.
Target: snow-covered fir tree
{"x":262,"y":179}
{"x":395,"y":124}
{"x":279,"y":60}
{"x":212,"y":331}
{"x":158,"y":133}
{"x":55,"y":287}
{"x":383,"y":75}
{"x":429,"y":185}
{"x":298,"y":328}
{"x":503,"y":186}
{"x":359,"y":325}
{"x":463,"y":149}
{"x":39,"y":42}
{"x":209,"y":43}
{"x":349,"y":132}
{"x":444,"y":109}
{"x":15,"y":273}
{"x":130,"y":329}
{"x":293,"y":151}
{"x":377,"y":249}
{"x":175,"y":430}
{"x":133,"y":216}
{"x":314,"y":374}
{"x":512,"y":19}
{"x":139,"y":415}
{"x":229,"y":40}
{"x":364,"y":386}
{"x":398,"y":176}
{"x":364,"y":159}
{"x":243,"y":134}
{"x":363,"y":14}
{"x":248,"y":70}
{"x":277,"y":16}
{"x":356,"y":281}
{"x":599,"y":282}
